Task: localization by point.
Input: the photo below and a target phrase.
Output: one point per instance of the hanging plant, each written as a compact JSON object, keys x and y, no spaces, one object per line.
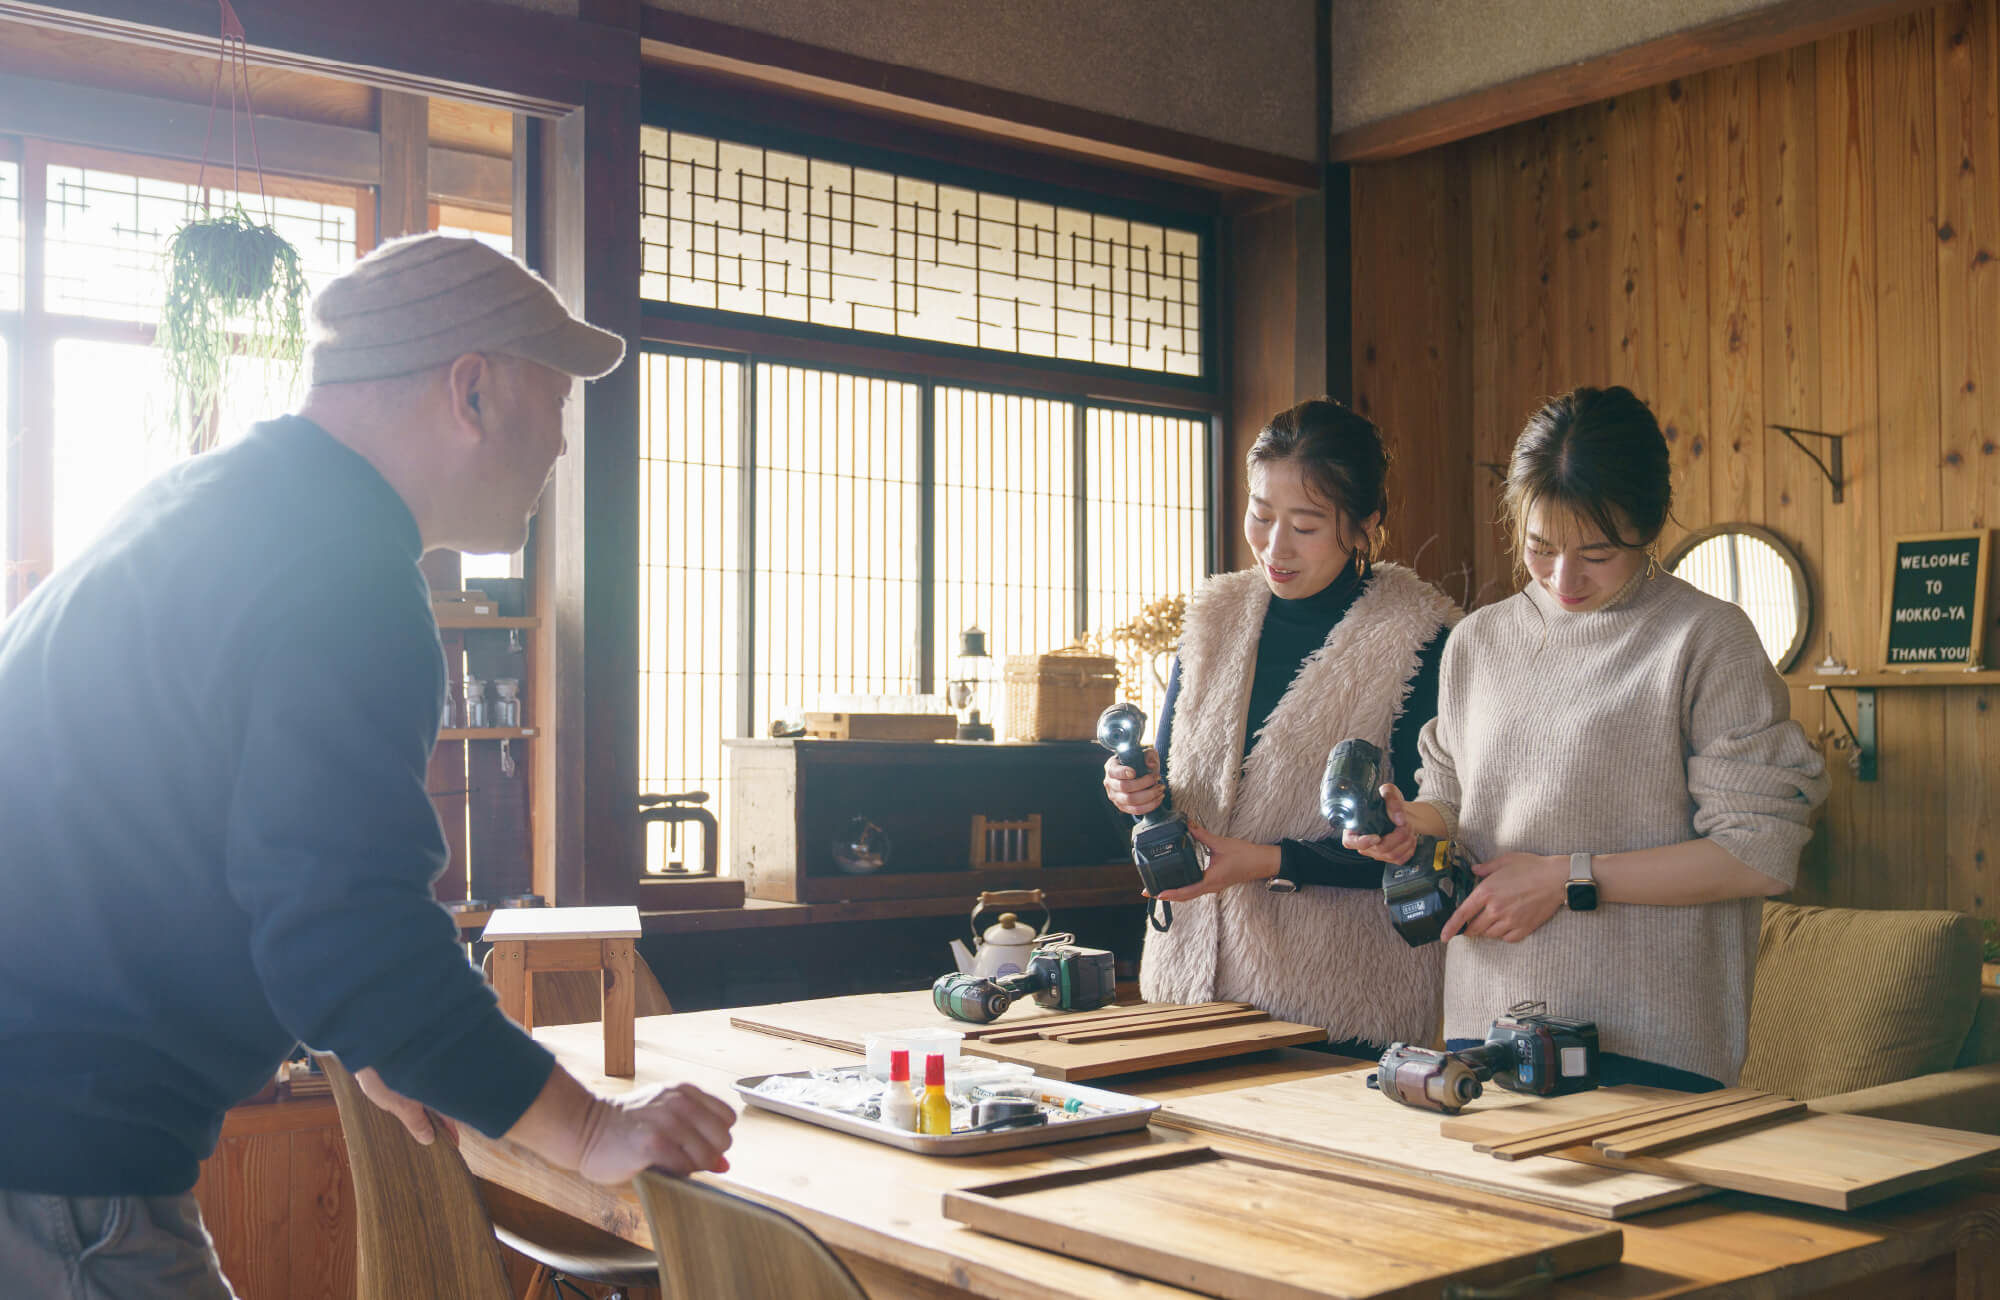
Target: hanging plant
{"x":234,"y":285}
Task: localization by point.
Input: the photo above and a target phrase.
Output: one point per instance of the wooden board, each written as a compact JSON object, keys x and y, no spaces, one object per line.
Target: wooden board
{"x":1840,"y":1162}
{"x":1339,"y":1115}
{"x":1244,"y":1228}
{"x":845,"y":1023}
{"x":881,"y":726}
{"x":563,"y":923}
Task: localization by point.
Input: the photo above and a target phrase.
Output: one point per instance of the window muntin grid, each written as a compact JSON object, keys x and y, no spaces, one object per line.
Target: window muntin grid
{"x":738,"y":227}
{"x":10,"y":236}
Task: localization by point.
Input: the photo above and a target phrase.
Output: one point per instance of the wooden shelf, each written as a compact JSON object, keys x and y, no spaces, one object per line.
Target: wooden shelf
{"x":1879,"y":680}
{"x":760,"y":913}
{"x":470,"y":622}
{"x":486,"y":733}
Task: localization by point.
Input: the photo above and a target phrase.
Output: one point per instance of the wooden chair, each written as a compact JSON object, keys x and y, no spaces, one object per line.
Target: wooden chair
{"x":714,"y":1245}
{"x":423,"y":1230}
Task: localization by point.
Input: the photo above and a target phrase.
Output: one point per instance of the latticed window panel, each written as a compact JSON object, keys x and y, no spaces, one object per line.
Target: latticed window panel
{"x":738,"y":227}
{"x":1147,"y":494}
{"x":1006,"y":525}
{"x":10,"y":236}
{"x":107,"y":236}
{"x":839,"y":539}
{"x":690,"y":564}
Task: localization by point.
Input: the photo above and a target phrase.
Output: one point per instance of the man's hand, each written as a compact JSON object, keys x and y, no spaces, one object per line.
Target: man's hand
{"x":415,"y":1117}
{"x":680,"y":1129}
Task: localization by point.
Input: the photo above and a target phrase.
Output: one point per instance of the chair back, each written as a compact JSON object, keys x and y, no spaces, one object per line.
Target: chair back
{"x":714,"y":1245}
{"x":421,"y":1228}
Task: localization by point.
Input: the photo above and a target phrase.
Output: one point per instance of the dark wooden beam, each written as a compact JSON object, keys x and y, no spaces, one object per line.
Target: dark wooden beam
{"x":483,"y":53}
{"x":680,"y":41}
{"x":1734,"y":40}
{"x":586,"y":578}
{"x":403,"y":198}
{"x":166,"y":128}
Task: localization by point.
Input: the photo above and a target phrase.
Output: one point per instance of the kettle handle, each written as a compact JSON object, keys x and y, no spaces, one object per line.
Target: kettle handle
{"x":1014,"y":898}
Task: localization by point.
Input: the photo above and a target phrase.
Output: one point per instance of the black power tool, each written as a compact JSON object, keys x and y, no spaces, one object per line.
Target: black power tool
{"x":1421,"y":892}
{"x":1525,"y":1051}
{"x":1162,"y":849}
{"x":1061,"y":975}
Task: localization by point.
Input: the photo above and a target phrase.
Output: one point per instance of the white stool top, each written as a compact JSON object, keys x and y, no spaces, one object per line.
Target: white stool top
{"x":563,"y":923}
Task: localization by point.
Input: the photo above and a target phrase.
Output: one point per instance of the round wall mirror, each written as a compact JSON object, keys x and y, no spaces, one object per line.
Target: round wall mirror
{"x":1753,"y":570}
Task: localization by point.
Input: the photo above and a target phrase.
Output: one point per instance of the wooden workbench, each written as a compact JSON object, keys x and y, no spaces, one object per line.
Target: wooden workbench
{"x":880,"y":1208}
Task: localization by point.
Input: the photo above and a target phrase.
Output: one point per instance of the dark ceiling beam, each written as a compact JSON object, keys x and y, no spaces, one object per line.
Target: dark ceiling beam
{"x":495,"y":54}
{"x":168,"y":128}
{"x":756,"y":58}
{"x":1735,"y":40}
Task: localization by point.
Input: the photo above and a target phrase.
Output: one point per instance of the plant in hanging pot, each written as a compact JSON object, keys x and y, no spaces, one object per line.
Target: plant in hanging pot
{"x":233,"y":286}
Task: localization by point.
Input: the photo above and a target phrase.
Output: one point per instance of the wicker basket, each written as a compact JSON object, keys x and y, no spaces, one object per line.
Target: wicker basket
{"x":1058,"y":696}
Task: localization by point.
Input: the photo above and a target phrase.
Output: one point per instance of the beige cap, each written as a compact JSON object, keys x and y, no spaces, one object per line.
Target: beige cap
{"x":419,"y":302}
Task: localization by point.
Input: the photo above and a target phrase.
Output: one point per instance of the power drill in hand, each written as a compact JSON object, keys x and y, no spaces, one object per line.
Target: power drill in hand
{"x":1525,"y":1051}
{"x":1061,"y":975}
{"x":1422,"y":892}
{"x":1162,"y":849}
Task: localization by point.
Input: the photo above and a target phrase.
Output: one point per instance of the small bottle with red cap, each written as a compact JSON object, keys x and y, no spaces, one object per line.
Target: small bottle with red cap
{"x":899,"y":1104}
{"x":936,"y":1106}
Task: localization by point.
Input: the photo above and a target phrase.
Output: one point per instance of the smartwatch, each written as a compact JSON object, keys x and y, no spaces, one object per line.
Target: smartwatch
{"x":1581,"y":892}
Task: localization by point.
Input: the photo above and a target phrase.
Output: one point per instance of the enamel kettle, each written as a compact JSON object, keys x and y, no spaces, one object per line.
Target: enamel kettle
{"x":1005,"y":947}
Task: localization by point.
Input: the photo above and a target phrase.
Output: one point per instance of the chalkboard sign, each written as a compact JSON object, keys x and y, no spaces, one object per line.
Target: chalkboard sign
{"x":1937,"y":601}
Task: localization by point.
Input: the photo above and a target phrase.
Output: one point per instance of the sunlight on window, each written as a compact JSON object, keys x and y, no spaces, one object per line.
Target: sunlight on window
{"x":110,"y":437}
{"x":10,"y":236}
{"x":7,"y":437}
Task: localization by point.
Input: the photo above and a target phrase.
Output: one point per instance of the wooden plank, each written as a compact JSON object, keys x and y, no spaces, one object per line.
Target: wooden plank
{"x":1493,"y":418}
{"x":1630,"y":351}
{"x":1908,"y":828}
{"x":1681,"y":310}
{"x":1736,"y":434}
{"x":1165,"y":1027}
{"x":1711,"y":1124}
{"x":245,"y":1195}
{"x":1684,"y":55}
{"x":1844,"y":114}
{"x":321,"y":1217}
{"x":1137,"y":1013}
{"x":1839,"y":1162}
{"x":404,"y":206}
{"x":1339,"y":1115}
{"x":1968,"y":279}
{"x":1556,"y":1137}
{"x":1175,"y":1217}
{"x":614,"y":922}
{"x":546,"y":956}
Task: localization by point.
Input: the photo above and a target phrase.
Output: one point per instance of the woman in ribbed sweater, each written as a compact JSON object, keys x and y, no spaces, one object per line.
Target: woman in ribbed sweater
{"x":1275,"y":666}
{"x":1616,"y":751}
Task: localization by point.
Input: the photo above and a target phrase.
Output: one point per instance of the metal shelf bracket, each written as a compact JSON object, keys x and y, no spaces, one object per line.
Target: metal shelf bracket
{"x":1835,"y":474}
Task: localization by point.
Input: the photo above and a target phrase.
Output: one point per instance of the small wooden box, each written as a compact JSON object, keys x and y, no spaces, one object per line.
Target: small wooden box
{"x":881,"y":726}
{"x":1058,"y":696}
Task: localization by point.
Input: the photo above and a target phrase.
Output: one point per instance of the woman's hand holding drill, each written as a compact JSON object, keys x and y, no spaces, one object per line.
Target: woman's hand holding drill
{"x":1397,"y":845}
{"x":1134,"y":793}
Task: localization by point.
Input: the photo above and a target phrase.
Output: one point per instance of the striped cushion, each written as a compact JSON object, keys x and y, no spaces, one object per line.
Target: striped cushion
{"x":1848,"y":999}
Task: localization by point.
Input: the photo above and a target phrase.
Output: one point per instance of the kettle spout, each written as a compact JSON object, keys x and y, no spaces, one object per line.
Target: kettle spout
{"x":962,"y":955}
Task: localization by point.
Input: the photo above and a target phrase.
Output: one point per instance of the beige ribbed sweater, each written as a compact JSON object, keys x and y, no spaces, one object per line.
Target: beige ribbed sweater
{"x":1652,"y":721}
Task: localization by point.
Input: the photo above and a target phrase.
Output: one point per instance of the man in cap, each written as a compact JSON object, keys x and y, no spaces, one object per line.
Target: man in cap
{"x":215,"y":837}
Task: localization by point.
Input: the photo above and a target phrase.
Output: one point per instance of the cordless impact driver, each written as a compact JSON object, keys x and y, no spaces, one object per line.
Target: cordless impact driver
{"x":1162,"y":849}
{"x":1422,"y":892}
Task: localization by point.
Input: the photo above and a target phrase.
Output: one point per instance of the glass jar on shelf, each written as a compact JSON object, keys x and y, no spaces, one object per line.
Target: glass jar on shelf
{"x":475,"y":703}
{"x":507,"y":707}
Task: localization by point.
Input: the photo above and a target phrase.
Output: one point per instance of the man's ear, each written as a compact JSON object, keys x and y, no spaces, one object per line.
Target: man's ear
{"x":468,"y":375}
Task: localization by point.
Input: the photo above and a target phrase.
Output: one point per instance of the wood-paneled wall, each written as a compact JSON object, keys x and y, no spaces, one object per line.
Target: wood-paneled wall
{"x":278,"y":1198}
{"x":1806,"y":239}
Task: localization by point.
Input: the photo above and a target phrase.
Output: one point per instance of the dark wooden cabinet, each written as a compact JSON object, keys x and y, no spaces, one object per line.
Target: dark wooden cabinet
{"x":791,"y":800}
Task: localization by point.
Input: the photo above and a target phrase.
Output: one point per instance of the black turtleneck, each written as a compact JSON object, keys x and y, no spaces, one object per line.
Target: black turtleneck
{"x":1292,"y":630}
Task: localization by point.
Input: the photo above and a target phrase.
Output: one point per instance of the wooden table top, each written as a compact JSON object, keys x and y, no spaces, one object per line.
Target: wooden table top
{"x":873,"y":1202}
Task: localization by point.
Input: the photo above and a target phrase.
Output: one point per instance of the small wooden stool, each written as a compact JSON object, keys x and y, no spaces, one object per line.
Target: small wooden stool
{"x":529,"y":940}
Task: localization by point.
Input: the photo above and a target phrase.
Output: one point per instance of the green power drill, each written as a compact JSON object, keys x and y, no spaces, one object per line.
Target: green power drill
{"x":1061,"y":975}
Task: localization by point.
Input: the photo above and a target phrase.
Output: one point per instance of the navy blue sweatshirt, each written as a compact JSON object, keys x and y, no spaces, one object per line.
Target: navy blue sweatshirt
{"x":1292,"y":630}
{"x":215,"y":838}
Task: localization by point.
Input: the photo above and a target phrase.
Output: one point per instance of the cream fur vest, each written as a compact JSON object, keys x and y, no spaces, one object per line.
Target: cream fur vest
{"x":1321,"y":956}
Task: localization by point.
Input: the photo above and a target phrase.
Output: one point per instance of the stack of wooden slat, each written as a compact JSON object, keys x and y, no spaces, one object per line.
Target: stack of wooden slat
{"x":1121,"y":1023}
{"x":1654,"y":1127}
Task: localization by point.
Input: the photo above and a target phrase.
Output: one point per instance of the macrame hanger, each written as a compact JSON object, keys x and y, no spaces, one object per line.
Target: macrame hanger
{"x":233,"y":53}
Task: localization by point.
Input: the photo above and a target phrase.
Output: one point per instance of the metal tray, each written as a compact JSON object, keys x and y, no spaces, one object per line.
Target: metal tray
{"x":1126,"y":1114}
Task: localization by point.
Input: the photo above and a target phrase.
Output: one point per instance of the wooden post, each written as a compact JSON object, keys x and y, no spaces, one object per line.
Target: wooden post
{"x":620,"y":1033}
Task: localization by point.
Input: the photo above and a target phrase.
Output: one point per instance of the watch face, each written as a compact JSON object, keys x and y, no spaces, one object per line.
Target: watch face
{"x":1582,"y":895}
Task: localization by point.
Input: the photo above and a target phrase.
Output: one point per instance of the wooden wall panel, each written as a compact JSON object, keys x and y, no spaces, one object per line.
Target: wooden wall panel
{"x":1809,"y":239}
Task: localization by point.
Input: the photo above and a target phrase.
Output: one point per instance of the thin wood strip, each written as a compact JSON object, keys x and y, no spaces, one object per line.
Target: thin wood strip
{"x":1106,"y":1015}
{"x":1581,"y":1132}
{"x":1049,"y":1027}
{"x":1730,"y":1119}
{"x":1167,"y":1027}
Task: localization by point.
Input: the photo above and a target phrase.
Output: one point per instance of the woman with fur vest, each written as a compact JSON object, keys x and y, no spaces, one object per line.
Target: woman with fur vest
{"x":1276,"y":665}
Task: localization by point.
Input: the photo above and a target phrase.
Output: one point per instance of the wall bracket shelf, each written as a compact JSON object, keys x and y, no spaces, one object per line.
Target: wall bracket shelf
{"x":1861,"y":731}
{"x":1835,"y":474}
